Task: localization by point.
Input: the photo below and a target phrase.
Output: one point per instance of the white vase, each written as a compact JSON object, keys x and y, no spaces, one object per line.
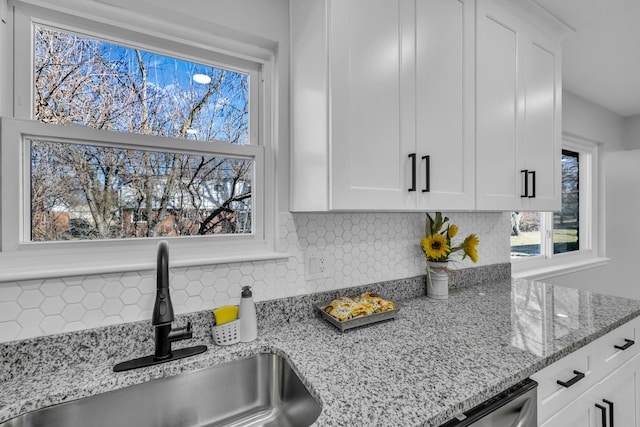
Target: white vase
{"x":437,"y":280}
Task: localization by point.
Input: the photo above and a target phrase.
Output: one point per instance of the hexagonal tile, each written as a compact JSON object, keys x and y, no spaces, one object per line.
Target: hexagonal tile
{"x":9,"y":293}
{"x":207,"y":295}
{"x":146,"y":302}
{"x":131,"y":280}
{"x":258,"y":273}
{"x":112,"y":306}
{"x":73,"y":294}
{"x":194,"y":273}
{"x":9,"y":311}
{"x":130,"y":296}
{"x":179,"y":298}
{"x":52,"y":324}
{"x":9,"y":331}
{"x":179,"y":281}
{"x":93,"y":300}
{"x":131,"y":313}
{"x":73,"y":312}
{"x":221,"y":284}
{"x":207,"y":278}
{"x":52,"y":306}
{"x":53,"y":288}
{"x":194,"y":303}
{"x":193,"y":288}
{"x":30,"y":299}
{"x":30,"y":318}
{"x":94,"y":284}
{"x":93,"y":318}
{"x":112,"y":289}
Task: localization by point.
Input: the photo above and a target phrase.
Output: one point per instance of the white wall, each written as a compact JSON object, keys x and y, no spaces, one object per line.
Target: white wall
{"x":593,"y":122}
{"x":631,"y":132}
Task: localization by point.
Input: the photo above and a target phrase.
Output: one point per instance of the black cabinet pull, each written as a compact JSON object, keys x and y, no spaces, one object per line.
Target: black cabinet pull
{"x":533,"y":182}
{"x":628,"y":343}
{"x":572,"y":381}
{"x":412,"y":156}
{"x":525,"y":178}
{"x":604,"y":414}
{"x":427,"y":171}
{"x":610,"y":403}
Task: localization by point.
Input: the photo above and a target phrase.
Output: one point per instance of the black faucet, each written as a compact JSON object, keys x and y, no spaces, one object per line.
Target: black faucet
{"x":163,"y":309}
{"x":161,"y":320}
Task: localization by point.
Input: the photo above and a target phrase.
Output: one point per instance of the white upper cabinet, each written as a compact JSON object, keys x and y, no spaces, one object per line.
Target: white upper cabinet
{"x":382,"y":105}
{"x":444,"y":100}
{"x":519,"y":125}
{"x":384,"y":110}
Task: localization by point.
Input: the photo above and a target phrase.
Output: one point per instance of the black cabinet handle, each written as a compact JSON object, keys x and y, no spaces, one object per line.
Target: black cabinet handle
{"x":604,"y":414}
{"x":610,"y":403}
{"x":572,"y":381}
{"x":427,"y":171}
{"x":525,"y":178}
{"x":533,"y":182}
{"x":628,"y":343}
{"x":412,"y":156}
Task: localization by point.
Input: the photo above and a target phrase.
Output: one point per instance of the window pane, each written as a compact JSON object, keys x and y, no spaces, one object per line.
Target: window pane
{"x":566,"y":222}
{"x":102,"y":85}
{"x":81,"y":192}
{"x":526,"y":234}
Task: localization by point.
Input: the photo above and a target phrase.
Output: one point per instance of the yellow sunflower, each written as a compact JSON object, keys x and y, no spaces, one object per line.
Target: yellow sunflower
{"x":469,"y":247}
{"x":435,"y":246}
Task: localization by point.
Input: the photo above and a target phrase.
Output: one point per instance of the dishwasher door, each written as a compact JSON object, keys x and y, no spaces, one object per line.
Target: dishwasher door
{"x":514,"y":407}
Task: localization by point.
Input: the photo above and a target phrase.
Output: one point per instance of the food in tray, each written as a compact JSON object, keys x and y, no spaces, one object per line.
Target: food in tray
{"x":345,"y":308}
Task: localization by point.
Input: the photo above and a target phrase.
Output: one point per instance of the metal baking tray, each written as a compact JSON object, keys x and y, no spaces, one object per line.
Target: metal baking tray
{"x":358,"y":321}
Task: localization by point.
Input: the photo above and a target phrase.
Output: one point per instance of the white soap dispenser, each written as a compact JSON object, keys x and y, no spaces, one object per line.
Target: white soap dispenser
{"x":247,"y":314}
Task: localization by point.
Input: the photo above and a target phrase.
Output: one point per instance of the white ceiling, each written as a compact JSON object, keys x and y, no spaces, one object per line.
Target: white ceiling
{"x":601,"y":57}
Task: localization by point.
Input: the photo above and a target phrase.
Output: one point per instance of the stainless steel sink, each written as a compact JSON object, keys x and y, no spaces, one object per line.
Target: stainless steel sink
{"x":261,"y":390}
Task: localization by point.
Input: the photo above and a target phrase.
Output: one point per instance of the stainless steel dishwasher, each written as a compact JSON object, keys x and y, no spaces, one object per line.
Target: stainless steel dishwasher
{"x":515,"y":407}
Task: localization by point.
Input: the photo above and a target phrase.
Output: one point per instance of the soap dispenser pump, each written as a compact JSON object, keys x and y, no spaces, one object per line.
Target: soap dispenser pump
{"x":247,"y":314}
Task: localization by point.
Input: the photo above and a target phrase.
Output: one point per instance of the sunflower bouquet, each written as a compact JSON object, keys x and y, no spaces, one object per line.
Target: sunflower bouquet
{"x":437,"y":244}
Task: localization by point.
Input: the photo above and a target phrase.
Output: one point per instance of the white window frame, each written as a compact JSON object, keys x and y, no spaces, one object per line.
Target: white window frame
{"x":21,"y":258}
{"x":548,"y":264}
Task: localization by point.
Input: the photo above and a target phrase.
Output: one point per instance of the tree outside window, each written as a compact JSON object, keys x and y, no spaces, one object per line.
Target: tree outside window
{"x":88,"y":191}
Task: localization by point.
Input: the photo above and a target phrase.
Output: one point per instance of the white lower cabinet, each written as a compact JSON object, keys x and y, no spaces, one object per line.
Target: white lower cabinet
{"x":611,"y":402}
{"x":606,"y":396}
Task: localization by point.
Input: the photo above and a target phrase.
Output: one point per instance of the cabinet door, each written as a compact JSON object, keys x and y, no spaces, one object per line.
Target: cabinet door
{"x":370,"y":164}
{"x":620,"y":389}
{"x":580,"y":413}
{"x":444,"y":100}
{"x":519,"y":116}
{"x":500,"y":97}
{"x":543,"y":125}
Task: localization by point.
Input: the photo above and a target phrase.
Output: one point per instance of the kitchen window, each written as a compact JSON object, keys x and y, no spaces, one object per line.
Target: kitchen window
{"x":117,"y":143}
{"x":557,"y":240}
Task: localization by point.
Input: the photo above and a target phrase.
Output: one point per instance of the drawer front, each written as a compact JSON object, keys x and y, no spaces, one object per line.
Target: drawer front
{"x":619,"y":345}
{"x":578,"y":372}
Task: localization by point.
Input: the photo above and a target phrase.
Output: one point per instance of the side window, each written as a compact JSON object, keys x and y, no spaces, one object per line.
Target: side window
{"x":537,"y":235}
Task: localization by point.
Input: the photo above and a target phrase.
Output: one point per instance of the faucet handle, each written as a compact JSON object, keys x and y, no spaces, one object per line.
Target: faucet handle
{"x":189,"y":326}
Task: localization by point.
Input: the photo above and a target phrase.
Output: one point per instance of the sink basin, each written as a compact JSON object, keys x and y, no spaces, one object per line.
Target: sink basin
{"x":261,"y":390}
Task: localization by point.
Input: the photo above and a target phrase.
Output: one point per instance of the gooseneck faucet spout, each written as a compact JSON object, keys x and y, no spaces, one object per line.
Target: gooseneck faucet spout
{"x":161,"y":320}
{"x":163,"y":309}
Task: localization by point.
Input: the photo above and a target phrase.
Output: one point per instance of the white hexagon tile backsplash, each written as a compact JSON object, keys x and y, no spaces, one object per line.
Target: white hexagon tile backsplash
{"x":358,"y":248}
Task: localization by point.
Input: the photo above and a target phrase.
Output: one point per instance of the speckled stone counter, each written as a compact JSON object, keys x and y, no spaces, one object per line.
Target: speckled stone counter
{"x":435,"y":360}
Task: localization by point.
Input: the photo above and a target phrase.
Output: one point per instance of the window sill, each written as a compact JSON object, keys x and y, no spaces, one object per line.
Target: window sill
{"x":16,"y":269}
{"x":549,"y":271}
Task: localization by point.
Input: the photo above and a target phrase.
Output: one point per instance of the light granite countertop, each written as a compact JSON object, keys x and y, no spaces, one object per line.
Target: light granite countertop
{"x":435,"y":360}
